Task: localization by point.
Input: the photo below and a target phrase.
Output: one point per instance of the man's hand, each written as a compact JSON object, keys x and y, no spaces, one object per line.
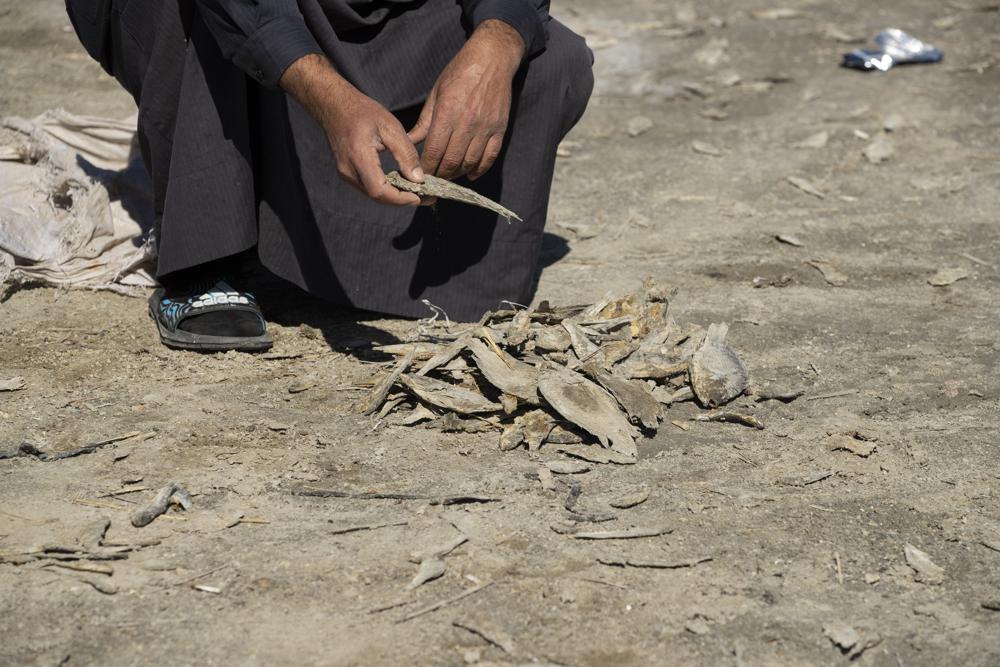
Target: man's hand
{"x":357,"y":127}
{"x":465,"y":117}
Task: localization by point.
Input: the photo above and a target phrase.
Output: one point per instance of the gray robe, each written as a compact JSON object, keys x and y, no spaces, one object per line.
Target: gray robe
{"x":235,"y":163}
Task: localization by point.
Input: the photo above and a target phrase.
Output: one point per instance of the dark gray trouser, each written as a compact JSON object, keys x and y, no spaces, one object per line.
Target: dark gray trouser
{"x":235,"y":165}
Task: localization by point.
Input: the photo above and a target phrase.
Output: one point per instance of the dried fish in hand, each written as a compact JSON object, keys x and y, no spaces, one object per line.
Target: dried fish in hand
{"x":442,"y":189}
{"x":717,"y":373}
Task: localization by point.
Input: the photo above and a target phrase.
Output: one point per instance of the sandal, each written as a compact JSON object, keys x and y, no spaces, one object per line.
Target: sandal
{"x":170,"y":313}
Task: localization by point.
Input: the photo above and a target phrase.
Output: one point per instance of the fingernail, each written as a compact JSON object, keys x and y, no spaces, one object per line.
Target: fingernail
{"x":419,"y":173}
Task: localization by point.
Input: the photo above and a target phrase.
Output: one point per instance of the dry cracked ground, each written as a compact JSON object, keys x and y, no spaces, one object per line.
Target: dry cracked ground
{"x":808,"y":544}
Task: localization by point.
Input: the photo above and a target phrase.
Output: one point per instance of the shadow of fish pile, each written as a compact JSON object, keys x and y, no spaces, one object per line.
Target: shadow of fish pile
{"x":600,"y":373}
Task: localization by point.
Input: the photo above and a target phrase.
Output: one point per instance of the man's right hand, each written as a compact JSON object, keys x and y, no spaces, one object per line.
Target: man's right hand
{"x":357,"y":127}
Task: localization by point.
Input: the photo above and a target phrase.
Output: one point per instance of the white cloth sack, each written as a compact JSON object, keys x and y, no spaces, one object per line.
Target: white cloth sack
{"x":75,"y":204}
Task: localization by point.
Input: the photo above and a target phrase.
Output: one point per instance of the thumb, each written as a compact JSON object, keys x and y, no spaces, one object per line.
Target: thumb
{"x":402,"y":148}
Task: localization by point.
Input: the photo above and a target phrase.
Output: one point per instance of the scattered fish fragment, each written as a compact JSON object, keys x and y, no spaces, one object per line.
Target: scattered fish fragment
{"x":814,"y":141}
{"x":731,"y":418}
{"x":945,"y":277}
{"x":879,"y":150}
{"x":777,"y":14}
{"x":702,"y":148}
{"x":160,"y":504}
{"x":381,"y":389}
{"x":567,"y":467}
{"x":806,"y":186}
{"x":926,"y":571}
{"x":654,"y":564}
{"x":788,"y":239}
{"x":626,"y":534}
{"x":829,"y":272}
{"x":596,"y":454}
{"x":630,"y":500}
{"x":12,"y":384}
{"x":845,"y":443}
{"x":639,"y":126}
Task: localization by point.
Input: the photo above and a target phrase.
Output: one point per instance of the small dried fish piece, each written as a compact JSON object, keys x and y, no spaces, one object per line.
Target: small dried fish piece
{"x":806,"y":187}
{"x":829,"y":272}
{"x":12,"y":384}
{"x":818,"y":140}
{"x":840,"y":442}
{"x":777,"y":14}
{"x":785,"y":396}
{"x":634,"y":397}
{"x":587,"y":405}
{"x":429,"y":569}
{"x":552,"y":339}
{"x":506,"y":373}
{"x":442,"y":189}
{"x":945,"y":277}
{"x":639,"y":125}
{"x":927,"y":571}
{"x":645,"y":366}
{"x":718,"y":375}
{"x":419,"y":414}
{"x":731,"y":418}
{"x":448,"y":396}
{"x":160,"y":504}
{"x":705,"y":149}
{"x":519,"y":328}
{"x":95,"y":568}
{"x":445,"y":356}
{"x":562,"y":436}
{"x":582,"y":345}
{"x":537,"y":425}
{"x":630,"y":500}
{"x":880,"y":150}
{"x":788,"y":239}
{"x":626,"y":534}
{"x":654,"y":564}
{"x":489,"y":633}
{"x":511,"y":437}
{"x":567,"y":467}
{"x":421,"y":351}
{"x":92,"y":535}
{"x":595,"y":454}
{"x":376,"y":398}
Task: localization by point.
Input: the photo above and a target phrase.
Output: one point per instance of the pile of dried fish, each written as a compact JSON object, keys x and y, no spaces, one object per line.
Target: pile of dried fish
{"x":600,"y":373}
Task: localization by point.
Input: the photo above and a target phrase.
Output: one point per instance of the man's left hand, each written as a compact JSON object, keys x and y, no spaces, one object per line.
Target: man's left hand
{"x":465,"y":117}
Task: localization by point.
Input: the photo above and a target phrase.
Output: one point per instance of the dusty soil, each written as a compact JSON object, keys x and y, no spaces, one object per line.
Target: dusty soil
{"x":911,"y":365}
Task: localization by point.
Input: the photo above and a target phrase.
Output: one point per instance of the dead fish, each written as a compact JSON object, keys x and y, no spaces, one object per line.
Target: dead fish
{"x":731,"y":418}
{"x":646,"y":366}
{"x":511,"y":437}
{"x":587,"y":405}
{"x":630,"y":500}
{"x":582,"y":345}
{"x":381,"y":389}
{"x":537,"y":426}
{"x":596,"y":454}
{"x":567,"y":467}
{"x":717,"y":373}
{"x":829,"y":272}
{"x":806,"y":187}
{"x":634,"y":397}
{"x":552,"y":339}
{"x":442,"y":189}
{"x":448,"y":396}
{"x":506,"y":373}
